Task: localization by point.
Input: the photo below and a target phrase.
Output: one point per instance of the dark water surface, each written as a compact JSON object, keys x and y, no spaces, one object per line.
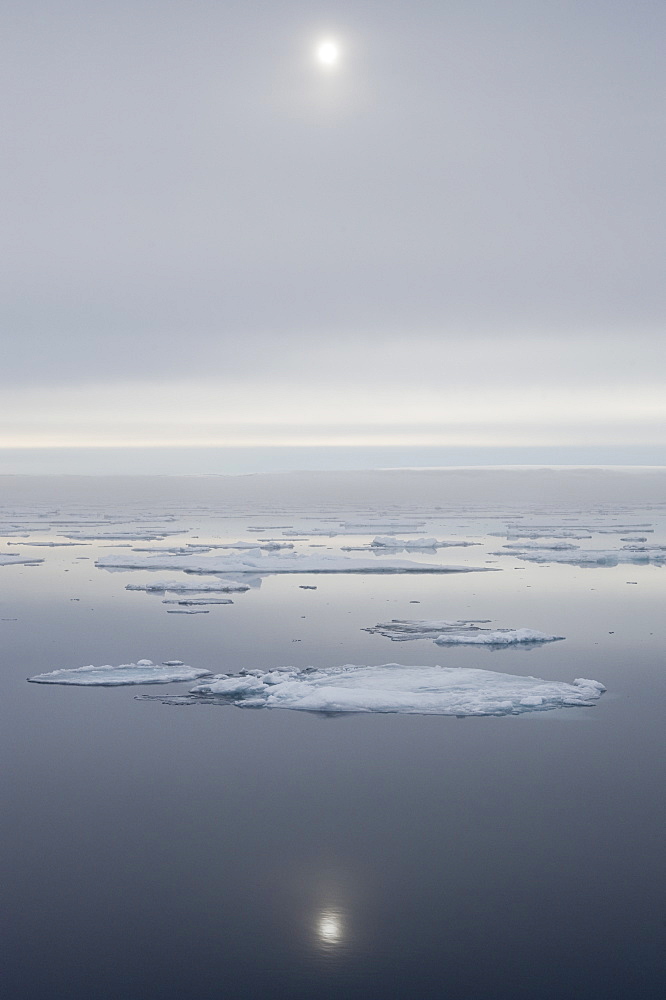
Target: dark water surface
{"x":157,"y":851}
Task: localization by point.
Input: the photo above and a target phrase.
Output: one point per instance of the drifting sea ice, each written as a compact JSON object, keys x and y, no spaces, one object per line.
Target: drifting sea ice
{"x":446,"y":633}
{"x":141,"y":672}
{"x":196,"y":601}
{"x":288,"y":562}
{"x":190,"y":587}
{"x":6,"y":560}
{"x":632,"y":554}
{"x":396,"y":688}
{"x":125,"y":536}
{"x":386,"y":542}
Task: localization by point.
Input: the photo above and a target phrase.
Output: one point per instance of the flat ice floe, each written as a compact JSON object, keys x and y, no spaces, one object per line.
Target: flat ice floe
{"x":389,"y":543}
{"x":190,"y":587}
{"x":188,"y":602}
{"x":396,"y":688}
{"x":266,"y":565}
{"x":446,"y":633}
{"x":630,"y":555}
{"x":141,"y":672}
{"x":124,"y":536}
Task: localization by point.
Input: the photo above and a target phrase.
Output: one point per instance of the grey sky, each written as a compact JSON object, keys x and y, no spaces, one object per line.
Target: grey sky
{"x":462,"y":226}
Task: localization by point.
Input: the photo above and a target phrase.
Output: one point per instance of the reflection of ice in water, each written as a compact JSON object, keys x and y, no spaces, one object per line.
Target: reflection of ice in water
{"x":329,"y":927}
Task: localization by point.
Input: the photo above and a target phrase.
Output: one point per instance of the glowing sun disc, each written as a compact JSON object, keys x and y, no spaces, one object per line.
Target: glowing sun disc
{"x":328,"y":53}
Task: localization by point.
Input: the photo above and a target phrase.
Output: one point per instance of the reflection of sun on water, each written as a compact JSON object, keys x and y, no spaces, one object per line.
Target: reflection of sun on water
{"x":329,"y":927}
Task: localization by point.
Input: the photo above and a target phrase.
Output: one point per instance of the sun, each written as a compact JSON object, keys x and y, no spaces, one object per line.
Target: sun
{"x":328,"y":53}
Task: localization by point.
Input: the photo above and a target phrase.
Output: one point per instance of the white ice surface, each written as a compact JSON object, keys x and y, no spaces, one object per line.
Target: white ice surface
{"x":141,"y":672}
{"x":396,"y":688}
{"x":446,"y":633}
{"x":265,"y":565}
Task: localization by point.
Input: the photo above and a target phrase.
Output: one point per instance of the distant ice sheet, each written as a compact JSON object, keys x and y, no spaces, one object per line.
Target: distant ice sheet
{"x":446,"y":633}
{"x":141,"y":672}
{"x":265,"y":565}
{"x":396,"y":688}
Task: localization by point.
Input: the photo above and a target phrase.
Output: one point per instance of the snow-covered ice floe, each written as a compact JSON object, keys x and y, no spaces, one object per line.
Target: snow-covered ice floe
{"x":288,"y":562}
{"x":396,"y":688}
{"x":446,"y":633}
{"x":190,"y":587}
{"x":141,"y":672}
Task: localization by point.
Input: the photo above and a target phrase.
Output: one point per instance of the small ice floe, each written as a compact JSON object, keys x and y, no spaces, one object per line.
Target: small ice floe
{"x":190,"y":587}
{"x":634,"y":538}
{"x":393,"y":687}
{"x":141,"y":672}
{"x":446,"y":633}
{"x":306,"y":586}
{"x":269,"y":564}
{"x":196,"y":601}
{"x":7,"y":560}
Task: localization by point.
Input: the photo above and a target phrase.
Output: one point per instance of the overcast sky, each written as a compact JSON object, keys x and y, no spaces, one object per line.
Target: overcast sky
{"x":454,"y":236}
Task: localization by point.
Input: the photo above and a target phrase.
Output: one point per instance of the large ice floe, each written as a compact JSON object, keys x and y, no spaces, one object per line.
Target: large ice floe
{"x":141,"y":672}
{"x":451,"y":633}
{"x":396,"y":688}
{"x":266,"y":565}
